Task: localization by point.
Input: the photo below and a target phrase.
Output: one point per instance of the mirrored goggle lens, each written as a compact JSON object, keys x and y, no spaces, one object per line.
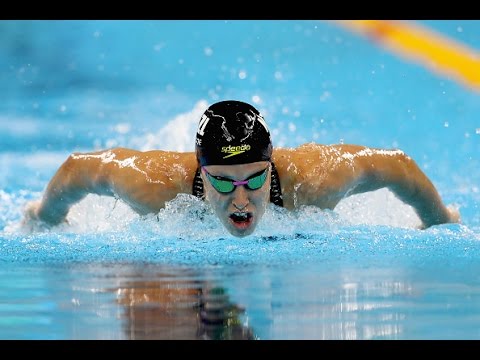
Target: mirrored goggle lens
{"x":222,"y":186}
{"x":226,"y":186}
{"x":257,"y":181}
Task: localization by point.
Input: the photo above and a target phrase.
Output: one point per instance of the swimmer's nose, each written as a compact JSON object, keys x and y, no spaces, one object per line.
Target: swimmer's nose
{"x":240,"y":198}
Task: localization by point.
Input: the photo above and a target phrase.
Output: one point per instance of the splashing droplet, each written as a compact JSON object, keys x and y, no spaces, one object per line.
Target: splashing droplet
{"x":208,"y":51}
{"x":256,"y":99}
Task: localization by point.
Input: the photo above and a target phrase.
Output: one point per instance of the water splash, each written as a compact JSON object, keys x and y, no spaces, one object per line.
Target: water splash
{"x":99,"y":214}
{"x":176,"y":135}
{"x":187,"y":231}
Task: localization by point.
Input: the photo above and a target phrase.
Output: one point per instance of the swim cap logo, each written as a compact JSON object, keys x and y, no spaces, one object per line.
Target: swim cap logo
{"x":220,"y":120}
{"x":235,"y":150}
{"x":201,"y":125}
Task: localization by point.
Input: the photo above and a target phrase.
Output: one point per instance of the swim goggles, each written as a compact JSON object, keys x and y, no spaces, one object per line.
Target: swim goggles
{"x":225,"y":185}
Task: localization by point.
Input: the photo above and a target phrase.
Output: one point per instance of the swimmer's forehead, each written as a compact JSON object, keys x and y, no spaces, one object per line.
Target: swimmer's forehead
{"x":238,"y":170}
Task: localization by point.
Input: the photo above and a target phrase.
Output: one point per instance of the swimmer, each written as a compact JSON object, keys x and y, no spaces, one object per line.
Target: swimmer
{"x":238,"y":172}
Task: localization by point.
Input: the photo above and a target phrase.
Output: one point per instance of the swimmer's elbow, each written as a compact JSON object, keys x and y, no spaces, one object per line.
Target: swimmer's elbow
{"x":407,"y":164}
{"x":85,"y":174}
{"x":393,"y":168}
{"x":74,"y":166}
{"x":70,"y":163}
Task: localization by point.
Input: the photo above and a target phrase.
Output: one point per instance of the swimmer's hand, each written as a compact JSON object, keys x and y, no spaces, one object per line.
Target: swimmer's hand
{"x":31,"y":221}
{"x":30,"y":213}
{"x":453,"y":214}
{"x":452,"y":217}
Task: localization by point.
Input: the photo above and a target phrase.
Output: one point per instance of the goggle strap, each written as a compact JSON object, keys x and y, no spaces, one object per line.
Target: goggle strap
{"x":236,"y":183}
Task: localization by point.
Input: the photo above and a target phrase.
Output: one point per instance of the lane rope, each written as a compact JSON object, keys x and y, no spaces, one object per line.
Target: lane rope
{"x":437,"y":52}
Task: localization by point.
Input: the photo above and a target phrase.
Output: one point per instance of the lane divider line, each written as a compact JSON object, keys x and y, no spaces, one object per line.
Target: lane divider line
{"x":437,"y":52}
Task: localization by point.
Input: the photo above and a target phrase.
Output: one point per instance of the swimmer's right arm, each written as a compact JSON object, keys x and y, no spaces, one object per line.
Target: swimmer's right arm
{"x":143,"y":180}
{"x":78,"y":176}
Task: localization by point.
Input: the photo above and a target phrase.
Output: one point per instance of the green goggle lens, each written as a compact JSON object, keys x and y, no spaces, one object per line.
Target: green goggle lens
{"x":257,"y":182}
{"x":222,"y":186}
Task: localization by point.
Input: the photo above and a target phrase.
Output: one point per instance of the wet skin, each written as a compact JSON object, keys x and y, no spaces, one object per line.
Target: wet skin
{"x":242,"y":201}
{"x":311,"y":174}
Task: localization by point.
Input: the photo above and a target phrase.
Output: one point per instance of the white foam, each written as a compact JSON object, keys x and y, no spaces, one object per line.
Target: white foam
{"x":100,"y":214}
{"x":178,"y":134}
{"x":11,"y":209}
{"x":21,"y":126}
{"x":380,"y":207}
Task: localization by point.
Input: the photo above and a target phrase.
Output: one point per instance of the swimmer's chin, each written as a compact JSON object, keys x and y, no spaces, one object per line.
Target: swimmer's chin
{"x":241,"y":231}
{"x":240,"y":234}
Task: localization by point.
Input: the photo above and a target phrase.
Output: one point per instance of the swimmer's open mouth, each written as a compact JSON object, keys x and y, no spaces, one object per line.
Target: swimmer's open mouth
{"x":241,"y":219}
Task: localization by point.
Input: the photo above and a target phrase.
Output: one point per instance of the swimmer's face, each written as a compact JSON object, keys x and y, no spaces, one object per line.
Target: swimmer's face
{"x":240,"y":210}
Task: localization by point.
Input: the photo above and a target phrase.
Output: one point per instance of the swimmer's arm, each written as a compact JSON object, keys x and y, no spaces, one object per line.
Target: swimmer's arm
{"x":78,"y":176}
{"x":399,"y":173}
{"x":143,"y":180}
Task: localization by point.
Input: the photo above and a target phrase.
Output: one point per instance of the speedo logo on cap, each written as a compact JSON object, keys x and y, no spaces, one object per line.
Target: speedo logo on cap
{"x":235,"y":150}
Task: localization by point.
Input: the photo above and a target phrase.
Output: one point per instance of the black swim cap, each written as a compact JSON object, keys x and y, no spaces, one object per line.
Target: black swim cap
{"x":232,"y":132}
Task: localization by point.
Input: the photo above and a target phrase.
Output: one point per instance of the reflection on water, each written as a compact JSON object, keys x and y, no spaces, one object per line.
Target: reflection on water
{"x":72,"y":86}
{"x":176,"y":308}
{"x":354,"y":310}
{"x":320,"y":303}
{"x":156,"y":301}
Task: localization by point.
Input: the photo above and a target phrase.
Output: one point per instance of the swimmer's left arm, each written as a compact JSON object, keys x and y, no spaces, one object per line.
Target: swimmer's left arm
{"x":398,"y":172}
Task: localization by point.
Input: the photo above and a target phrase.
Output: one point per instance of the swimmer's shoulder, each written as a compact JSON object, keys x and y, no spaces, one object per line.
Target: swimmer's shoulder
{"x":188,"y":159}
{"x":314,"y":154}
{"x":312,"y":147}
{"x":121,"y":153}
{"x":302,"y":149}
{"x":118,"y":151}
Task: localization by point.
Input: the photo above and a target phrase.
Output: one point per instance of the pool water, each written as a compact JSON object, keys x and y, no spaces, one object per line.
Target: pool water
{"x":363,"y":271}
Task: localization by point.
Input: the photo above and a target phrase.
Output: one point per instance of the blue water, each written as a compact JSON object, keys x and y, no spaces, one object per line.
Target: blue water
{"x":362,"y":271}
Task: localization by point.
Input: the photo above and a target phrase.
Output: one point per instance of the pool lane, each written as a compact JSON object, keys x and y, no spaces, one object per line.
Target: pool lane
{"x":423,"y":45}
